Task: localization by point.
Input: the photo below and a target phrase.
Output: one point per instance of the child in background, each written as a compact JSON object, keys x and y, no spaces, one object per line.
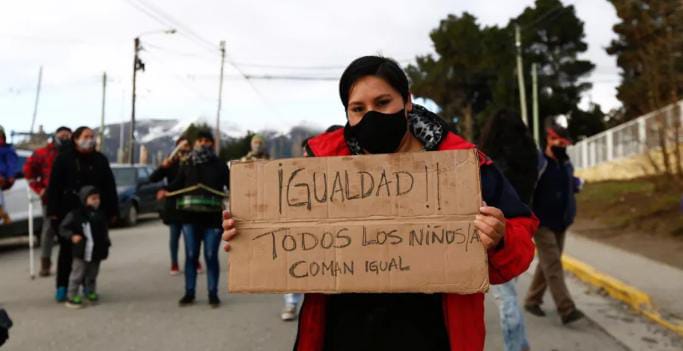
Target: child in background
{"x":86,"y":228}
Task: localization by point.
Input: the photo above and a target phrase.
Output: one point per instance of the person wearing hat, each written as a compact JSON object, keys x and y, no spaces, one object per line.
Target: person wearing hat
{"x":8,"y":170}
{"x":554,"y":204}
{"x":37,"y":171}
{"x":257,"y":152}
{"x":199,"y":190}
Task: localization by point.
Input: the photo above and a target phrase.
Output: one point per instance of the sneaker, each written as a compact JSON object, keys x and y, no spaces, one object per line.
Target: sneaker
{"x":573,"y":316}
{"x":60,"y":294}
{"x":535,"y":310}
{"x":200,"y":269}
{"x":74,"y":302}
{"x":186,"y":300}
{"x":214,"y":301}
{"x":92,"y":297}
{"x":174,"y":269}
{"x":289,"y":312}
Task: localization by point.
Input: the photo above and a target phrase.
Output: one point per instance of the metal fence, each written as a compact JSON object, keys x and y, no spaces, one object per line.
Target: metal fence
{"x":631,"y":138}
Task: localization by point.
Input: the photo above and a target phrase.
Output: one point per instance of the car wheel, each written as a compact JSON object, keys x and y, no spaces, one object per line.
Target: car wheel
{"x":132,"y":216}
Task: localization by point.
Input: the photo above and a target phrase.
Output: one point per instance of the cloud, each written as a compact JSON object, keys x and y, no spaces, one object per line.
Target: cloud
{"x":77,"y":40}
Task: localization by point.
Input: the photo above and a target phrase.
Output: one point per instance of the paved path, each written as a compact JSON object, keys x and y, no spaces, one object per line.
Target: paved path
{"x":138,"y":310}
{"x":662,"y":282}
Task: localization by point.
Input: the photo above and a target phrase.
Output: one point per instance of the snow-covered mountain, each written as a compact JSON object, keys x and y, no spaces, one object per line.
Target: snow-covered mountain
{"x":158,"y":137}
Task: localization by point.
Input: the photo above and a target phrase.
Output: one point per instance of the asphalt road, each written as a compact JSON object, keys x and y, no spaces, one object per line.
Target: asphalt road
{"x":138,"y":309}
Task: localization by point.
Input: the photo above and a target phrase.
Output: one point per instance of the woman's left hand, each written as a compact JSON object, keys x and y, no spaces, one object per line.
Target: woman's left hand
{"x":490,"y":222}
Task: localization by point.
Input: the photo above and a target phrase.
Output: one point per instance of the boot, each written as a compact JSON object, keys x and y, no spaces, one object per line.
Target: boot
{"x":45,"y":265}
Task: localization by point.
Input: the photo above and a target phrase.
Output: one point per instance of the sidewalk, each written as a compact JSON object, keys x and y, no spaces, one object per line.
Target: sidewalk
{"x":662,"y":282}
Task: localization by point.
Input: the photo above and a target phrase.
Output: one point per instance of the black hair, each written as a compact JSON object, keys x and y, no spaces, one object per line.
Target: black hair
{"x":77,"y":133}
{"x":382,"y":67}
{"x":206,"y":134}
{"x":63,"y":129}
{"x":333,"y":127}
{"x":506,"y":140}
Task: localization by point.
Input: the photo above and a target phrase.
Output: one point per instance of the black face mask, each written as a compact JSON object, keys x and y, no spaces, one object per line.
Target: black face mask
{"x":380,"y":133}
{"x":560,"y":153}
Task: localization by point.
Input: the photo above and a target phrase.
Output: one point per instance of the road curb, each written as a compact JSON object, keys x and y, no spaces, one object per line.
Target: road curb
{"x":638,"y":300}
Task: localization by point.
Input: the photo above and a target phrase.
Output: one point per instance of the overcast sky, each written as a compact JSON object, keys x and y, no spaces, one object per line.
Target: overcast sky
{"x":76,"y":40}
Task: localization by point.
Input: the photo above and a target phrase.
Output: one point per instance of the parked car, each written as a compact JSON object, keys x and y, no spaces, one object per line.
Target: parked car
{"x":137,"y":195}
{"x":16,"y":204}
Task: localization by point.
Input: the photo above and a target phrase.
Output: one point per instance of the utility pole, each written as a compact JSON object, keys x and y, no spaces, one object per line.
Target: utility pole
{"x":104,"y":100}
{"x":534,"y":98}
{"x":137,"y":65}
{"x":35,"y":105}
{"x":520,"y":75}
{"x":220,"y":98}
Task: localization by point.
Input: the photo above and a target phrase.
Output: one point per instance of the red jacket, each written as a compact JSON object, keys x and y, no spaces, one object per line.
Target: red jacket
{"x":463,"y":314}
{"x":38,"y":167}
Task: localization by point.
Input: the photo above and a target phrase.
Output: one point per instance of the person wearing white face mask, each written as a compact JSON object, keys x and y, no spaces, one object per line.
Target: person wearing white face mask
{"x":71,"y":171}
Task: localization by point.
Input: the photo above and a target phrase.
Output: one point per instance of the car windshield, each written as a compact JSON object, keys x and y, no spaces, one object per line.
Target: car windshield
{"x":124,"y":176}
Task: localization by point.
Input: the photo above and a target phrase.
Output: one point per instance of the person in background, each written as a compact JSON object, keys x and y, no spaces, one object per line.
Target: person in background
{"x":203,"y":205}
{"x":170,"y":215}
{"x":258,"y":149}
{"x":506,"y":140}
{"x":9,"y":167}
{"x":37,"y":170}
{"x":555,"y":205}
{"x":86,"y":228}
{"x":381,"y":118}
{"x":71,"y":171}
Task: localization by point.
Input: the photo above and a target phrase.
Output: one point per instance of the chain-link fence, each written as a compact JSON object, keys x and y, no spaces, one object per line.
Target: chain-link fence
{"x":631,"y":138}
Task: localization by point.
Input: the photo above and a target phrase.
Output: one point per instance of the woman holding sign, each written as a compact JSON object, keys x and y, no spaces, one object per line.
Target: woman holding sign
{"x":381,"y":118}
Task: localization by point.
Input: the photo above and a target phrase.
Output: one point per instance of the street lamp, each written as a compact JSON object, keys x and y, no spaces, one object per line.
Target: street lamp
{"x":138,"y":65}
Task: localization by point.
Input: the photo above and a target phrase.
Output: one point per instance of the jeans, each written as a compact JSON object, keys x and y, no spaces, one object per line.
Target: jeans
{"x":175,"y":230}
{"x":193,"y":234}
{"x":511,"y":318}
{"x":47,"y":236}
{"x":293,"y":299}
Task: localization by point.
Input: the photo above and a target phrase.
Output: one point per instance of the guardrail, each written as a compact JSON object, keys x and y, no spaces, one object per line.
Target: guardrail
{"x":628,"y":139}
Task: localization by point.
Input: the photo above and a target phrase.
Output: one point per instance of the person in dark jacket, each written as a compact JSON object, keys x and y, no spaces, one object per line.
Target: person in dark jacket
{"x":5,"y":325}
{"x":506,"y":140}
{"x":381,"y":118}
{"x":87,"y":230}
{"x":170,"y":215}
{"x":37,"y":170}
{"x":71,"y":171}
{"x":199,"y":189}
{"x":555,"y":205}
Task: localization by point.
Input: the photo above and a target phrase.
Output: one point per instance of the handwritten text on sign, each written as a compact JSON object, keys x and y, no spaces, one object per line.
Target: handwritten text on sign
{"x":392,"y":223}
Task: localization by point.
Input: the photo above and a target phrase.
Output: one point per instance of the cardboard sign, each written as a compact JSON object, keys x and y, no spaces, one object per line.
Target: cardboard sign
{"x":379,"y":223}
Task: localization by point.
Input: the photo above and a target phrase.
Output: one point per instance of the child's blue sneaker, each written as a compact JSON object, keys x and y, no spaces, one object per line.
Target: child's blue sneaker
{"x":60,"y":295}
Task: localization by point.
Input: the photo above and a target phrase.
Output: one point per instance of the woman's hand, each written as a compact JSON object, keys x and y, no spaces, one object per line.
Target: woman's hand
{"x":491,"y":226}
{"x":76,"y":239}
{"x":229,"y":230}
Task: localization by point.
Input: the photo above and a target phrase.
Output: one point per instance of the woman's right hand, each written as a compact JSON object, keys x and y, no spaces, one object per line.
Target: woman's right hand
{"x":229,"y":230}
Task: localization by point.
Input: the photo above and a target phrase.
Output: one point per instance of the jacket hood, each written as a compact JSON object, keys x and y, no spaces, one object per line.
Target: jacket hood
{"x":85,"y":192}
